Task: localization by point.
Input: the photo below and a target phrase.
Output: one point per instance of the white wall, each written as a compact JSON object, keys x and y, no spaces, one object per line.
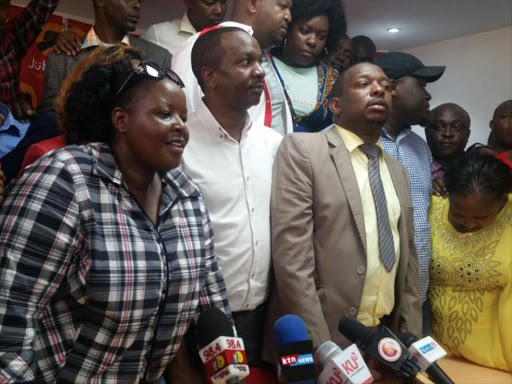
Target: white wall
{"x":478,"y":75}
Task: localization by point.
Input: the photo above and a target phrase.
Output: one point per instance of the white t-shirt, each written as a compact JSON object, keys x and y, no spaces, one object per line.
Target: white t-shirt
{"x":301,"y":84}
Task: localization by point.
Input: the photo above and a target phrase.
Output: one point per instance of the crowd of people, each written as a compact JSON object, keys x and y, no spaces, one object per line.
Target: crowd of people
{"x":263,"y":165}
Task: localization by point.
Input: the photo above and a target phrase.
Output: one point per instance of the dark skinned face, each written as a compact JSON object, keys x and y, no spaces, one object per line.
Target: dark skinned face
{"x":206,"y":13}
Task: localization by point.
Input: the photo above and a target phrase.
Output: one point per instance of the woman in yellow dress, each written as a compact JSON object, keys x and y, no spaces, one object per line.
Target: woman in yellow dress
{"x":470,"y":290}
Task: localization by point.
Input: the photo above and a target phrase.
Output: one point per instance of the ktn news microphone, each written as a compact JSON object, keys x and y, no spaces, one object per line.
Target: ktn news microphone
{"x":222,"y":353}
{"x":425,"y":353}
{"x":384,"y":347}
{"x":295,"y":351}
{"x":342,"y":367}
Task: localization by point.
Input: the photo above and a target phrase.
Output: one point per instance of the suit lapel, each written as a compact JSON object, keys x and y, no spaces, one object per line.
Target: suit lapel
{"x":341,"y":158}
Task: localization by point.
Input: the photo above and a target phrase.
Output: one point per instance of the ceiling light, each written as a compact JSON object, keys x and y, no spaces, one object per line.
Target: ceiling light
{"x":393,"y":30}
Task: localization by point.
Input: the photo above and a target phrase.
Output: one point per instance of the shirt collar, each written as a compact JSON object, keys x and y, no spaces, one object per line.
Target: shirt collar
{"x":10,"y":121}
{"x":209,"y":121}
{"x":403,"y":133}
{"x":352,"y":141}
{"x":93,"y":40}
{"x":105,"y":166}
{"x":186,"y":26}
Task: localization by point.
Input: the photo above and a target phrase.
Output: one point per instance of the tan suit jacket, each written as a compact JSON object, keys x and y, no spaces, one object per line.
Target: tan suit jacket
{"x":319,"y":240}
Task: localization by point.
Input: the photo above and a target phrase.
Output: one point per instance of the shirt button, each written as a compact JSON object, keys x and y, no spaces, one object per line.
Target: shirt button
{"x":252,"y":210}
{"x":158,"y":240}
{"x":361,"y":270}
{"x":352,"y":311}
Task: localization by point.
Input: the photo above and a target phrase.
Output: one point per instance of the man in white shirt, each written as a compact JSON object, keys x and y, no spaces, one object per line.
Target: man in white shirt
{"x":230,"y":158}
{"x":268,"y":21}
{"x":200,"y":14}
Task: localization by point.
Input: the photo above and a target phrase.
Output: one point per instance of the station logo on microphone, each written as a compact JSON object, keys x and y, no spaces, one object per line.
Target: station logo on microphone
{"x":389,"y":349}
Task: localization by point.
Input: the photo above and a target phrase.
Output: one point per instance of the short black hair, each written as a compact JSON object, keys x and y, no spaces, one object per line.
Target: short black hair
{"x":505,"y":104}
{"x":465,"y":115}
{"x":475,"y":173}
{"x":208,"y":51}
{"x":366,"y":42}
{"x":333,"y":9}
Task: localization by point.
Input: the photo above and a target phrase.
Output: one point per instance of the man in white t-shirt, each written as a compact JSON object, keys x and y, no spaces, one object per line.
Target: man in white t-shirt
{"x":200,"y":14}
{"x":268,"y":22}
{"x":230,"y":158}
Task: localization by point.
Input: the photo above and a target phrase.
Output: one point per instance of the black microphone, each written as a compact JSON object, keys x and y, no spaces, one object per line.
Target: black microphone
{"x":384,"y":347}
{"x":425,"y":353}
{"x":222,"y":353}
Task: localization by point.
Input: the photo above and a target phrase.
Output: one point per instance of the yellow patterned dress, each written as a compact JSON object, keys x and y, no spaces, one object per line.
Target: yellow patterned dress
{"x":470,"y":287}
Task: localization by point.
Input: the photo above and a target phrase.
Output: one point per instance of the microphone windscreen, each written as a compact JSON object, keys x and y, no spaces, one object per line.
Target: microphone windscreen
{"x":289,"y":329}
{"x":355,"y":331}
{"x":326,"y":352}
{"x":212,"y":324}
{"x":407,"y":339}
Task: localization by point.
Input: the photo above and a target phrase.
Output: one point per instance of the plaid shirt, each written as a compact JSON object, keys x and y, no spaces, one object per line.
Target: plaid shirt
{"x":93,"y":40}
{"x":436,"y":170}
{"x":90,"y":289}
{"x":413,"y":152}
{"x":17,"y":35}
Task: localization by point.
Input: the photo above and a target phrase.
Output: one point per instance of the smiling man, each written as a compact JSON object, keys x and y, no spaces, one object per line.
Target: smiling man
{"x":230,"y":158}
{"x":411,"y":107}
{"x":447,"y":135}
{"x":342,"y":226}
{"x":114,"y":20}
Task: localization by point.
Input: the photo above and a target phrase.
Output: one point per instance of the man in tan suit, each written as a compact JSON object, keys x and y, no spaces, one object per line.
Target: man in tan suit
{"x":342,"y":224}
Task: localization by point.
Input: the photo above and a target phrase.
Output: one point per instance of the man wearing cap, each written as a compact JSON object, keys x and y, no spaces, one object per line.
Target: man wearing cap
{"x":411,"y":107}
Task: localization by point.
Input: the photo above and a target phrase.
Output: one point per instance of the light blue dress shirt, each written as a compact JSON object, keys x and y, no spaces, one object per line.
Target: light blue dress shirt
{"x":413,"y":152}
{"x":11,"y":131}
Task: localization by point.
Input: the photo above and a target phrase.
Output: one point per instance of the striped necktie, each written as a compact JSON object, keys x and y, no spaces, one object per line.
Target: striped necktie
{"x":386,"y":243}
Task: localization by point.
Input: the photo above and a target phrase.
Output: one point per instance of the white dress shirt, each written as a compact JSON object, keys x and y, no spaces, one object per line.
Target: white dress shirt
{"x":281,"y":119}
{"x":170,"y":34}
{"x":235,"y":181}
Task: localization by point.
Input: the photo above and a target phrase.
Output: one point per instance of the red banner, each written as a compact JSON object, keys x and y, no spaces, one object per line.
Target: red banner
{"x":34,"y":63}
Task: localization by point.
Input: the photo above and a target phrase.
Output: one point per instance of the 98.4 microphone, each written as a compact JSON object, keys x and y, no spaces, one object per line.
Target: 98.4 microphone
{"x":222,"y":353}
{"x":425,"y":353}
{"x":296,"y":359}
{"x":342,"y":367}
{"x":383,"y":346}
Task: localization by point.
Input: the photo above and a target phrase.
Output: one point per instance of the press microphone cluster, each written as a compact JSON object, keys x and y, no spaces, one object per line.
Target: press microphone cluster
{"x":388,"y":350}
{"x":295,"y":351}
{"x":342,"y":367}
{"x":222,"y":354}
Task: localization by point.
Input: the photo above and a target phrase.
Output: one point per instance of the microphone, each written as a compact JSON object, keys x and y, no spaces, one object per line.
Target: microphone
{"x":222,"y":354}
{"x":425,"y":353}
{"x":296,"y":359}
{"x":384,"y":347}
{"x":347,"y":367}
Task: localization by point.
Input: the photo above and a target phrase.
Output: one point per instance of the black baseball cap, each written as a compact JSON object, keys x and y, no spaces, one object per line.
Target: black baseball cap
{"x":398,"y":64}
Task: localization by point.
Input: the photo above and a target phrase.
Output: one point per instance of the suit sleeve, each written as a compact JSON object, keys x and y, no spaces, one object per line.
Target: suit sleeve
{"x":292,"y":236}
{"x":53,"y":79}
{"x":410,"y":309}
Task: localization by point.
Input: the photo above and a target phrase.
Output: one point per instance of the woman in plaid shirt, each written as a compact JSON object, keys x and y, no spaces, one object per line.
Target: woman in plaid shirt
{"x":106,"y":249}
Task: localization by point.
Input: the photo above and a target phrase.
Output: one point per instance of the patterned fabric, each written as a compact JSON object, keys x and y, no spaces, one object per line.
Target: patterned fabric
{"x":17,"y":35}
{"x":90,"y":289}
{"x":471,"y":287}
{"x":321,"y":116}
{"x":386,"y":245}
{"x":436,"y":170}
{"x":92,"y":40}
{"x":413,"y":152}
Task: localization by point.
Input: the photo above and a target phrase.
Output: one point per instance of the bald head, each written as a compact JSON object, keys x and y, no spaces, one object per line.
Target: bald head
{"x":454,"y":110}
{"x":503,"y":107}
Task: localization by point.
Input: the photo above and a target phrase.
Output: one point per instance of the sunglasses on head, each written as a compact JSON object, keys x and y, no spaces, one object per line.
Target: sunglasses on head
{"x":153,"y":70}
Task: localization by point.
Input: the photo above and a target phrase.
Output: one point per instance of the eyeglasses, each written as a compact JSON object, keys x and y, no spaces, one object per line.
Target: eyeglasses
{"x":152,"y":70}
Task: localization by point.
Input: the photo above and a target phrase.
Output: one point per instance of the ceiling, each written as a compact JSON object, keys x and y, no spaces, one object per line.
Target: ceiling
{"x":422,"y":21}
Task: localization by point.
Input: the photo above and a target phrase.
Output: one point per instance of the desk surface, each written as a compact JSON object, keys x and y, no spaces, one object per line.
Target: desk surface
{"x":465,"y":372}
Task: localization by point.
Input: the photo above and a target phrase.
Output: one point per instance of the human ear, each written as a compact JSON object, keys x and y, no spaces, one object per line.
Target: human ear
{"x":209,"y":76}
{"x":393,"y":85}
{"x":335,"y":106}
{"x":119,"y":120}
